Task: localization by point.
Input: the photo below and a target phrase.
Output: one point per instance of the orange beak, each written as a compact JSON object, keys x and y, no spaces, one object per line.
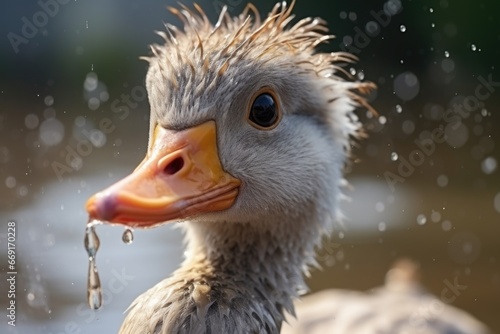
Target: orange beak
{"x":181,"y":176}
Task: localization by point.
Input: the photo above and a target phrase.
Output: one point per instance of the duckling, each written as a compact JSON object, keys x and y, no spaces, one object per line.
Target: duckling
{"x":402,"y":305}
{"x":250,"y":130}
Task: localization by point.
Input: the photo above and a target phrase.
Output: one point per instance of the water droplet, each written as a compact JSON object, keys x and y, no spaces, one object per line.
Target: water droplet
{"x":446,"y":54}
{"x":489,"y":165}
{"x":406,"y":86}
{"x":473,"y":47}
{"x":456,"y":134}
{"x":94,"y":290}
{"x":442,"y":180}
{"x":433,"y":25}
{"x":421,"y":219}
{"x":10,"y":182}
{"x":94,"y":103}
{"x":435,"y":216}
{"x":382,"y":227}
{"x":51,"y":132}
{"x":382,"y":120}
{"x":91,"y":240}
{"x":22,"y":191}
{"x":392,"y":7}
{"x":49,"y":113}
{"x":91,"y":81}
{"x":352,"y":70}
{"x":36,"y":294}
{"x":394,"y":156}
{"x":399,"y":109}
{"x":31,"y":121}
{"x":48,"y":100}
{"x":104,"y":96}
{"x":80,"y":121}
{"x":446,"y":225}
{"x":408,"y":127}
{"x":128,"y":236}
{"x":431,"y":10}
{"x":97,"y":138}
{"x":372,"y":28}
{"x":402,"y":28}
{"x":361,"y":75}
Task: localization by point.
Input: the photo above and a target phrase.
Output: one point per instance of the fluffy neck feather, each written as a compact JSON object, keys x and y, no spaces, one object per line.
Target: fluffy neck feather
{"x":237,"y":278}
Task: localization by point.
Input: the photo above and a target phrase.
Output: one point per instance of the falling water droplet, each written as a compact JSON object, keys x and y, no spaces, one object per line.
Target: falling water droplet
{"x":91,"y":240}
{"x":86,"y":24}
{"x":431,"y":10}
{"x":402,"y":28}
{"x":92,"y":67}
{"x":94,"y":290}
{"x":352,"y":70}
{"x":128,"y":236}
{"x":489,"y":165}
{"x":394,"y":156}
{"x":435,"y":216}
{"x":433,"y":25}
{"x":446,"y":225}
{"x":473,"y":47}
{"x":399,"y":109}
{"x":446,"y":54}
{"x":421,"y":219}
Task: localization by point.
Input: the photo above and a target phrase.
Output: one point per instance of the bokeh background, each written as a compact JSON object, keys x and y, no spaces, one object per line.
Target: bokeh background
{"x":66,"y":76}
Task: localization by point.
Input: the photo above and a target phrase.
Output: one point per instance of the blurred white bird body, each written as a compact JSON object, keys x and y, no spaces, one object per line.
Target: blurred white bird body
{"x":401,"y":306}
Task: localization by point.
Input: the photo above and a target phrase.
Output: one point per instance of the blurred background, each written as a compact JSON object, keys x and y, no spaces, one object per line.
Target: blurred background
{"x":74,"y":118}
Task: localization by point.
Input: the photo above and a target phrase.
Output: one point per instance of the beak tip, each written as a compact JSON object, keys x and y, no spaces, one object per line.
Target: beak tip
{"x":100,"y":208}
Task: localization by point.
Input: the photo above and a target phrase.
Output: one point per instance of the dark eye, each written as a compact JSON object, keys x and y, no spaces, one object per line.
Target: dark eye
{"x":264,"y":111}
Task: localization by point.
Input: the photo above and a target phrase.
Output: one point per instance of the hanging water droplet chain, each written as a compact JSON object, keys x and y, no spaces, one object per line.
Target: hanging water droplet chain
{"x":94,"y":290}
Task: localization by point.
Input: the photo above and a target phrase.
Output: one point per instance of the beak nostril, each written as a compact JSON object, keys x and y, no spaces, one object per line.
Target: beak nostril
{"x":174,"y":166}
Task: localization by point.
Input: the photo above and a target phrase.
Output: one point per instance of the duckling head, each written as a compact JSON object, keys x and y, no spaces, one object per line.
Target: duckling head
{"x":249,"y":123}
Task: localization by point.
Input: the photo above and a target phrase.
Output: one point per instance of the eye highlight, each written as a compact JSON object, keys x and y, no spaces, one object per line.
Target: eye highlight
{"x":264,"y":112}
